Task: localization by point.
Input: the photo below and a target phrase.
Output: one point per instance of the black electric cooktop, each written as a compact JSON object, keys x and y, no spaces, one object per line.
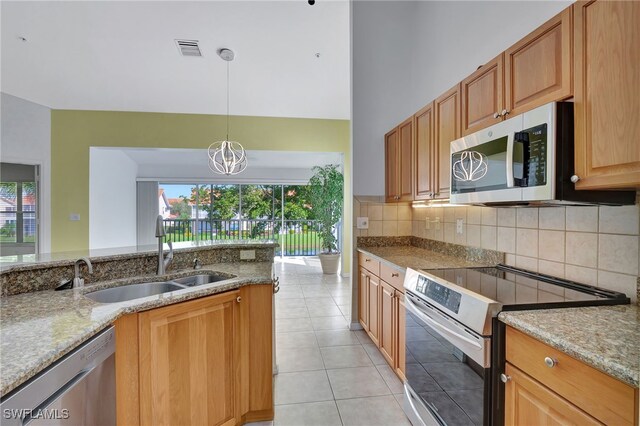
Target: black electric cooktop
{"x":518,"y":289}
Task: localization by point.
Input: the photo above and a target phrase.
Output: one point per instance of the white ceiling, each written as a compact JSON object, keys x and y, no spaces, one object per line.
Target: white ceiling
{"x":122,"y":56}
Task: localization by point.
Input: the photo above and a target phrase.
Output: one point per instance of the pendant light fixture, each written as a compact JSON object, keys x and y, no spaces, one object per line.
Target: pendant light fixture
{"x":227,"y":157}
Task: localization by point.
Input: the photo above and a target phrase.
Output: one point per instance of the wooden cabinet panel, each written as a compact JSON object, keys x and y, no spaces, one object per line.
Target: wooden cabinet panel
{"x":538,"y":68}
{"x":607,"y":84}
{"x":423,"y":153}
{"x":392,"y":276}
{"x":530,"y":403}
{"x":447,"y":129}
{"x":400,"y":365}
{"x":374,"y":318}
{"x":363,"y":299}
{"x":388,"y":324}
{"x":127,"y":374}
{"x":405,"y":164}
{"x":188,"y":362}
{"x":369,"y":263}
{"x":603,"y":397}
{"x":483,"y":96}
{"x":391,"y":160}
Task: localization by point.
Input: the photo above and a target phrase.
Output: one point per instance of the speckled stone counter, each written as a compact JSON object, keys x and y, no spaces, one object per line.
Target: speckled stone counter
{"x":403,"y":257}
{"x":604,"y":337}
{"x":38,"y":328}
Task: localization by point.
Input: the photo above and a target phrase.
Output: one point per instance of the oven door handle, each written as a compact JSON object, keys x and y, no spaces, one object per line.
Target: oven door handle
{"x":426,"y":318}
{"x":410,"y":397}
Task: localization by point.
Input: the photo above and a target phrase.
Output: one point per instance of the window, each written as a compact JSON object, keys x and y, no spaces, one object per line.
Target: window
{"x":18,"y":209}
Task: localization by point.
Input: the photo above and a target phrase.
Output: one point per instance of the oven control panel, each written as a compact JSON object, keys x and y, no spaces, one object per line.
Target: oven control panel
{"x":444,"y":296}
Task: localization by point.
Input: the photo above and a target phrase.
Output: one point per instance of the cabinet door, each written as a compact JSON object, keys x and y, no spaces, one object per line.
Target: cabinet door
{"x":538,"y":68}
{"x":363,"y":299}
{"x":527,"y":402}
{"x":374,"y":297}
{"x":387,"y":322}
{"x":423,"y":153}
{"x":391,"y":141}
{"x":607,"y":84}
{"x":401,"y":322}
{"x":188,"y":362}
{"x":405,"y":160}
{"x":483,"y":97}
{"x":447,"y":115}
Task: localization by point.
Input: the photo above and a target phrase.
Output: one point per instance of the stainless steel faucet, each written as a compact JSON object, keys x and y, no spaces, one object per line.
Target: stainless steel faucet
{"x":78,"y":281}
{"x":163,"y":263}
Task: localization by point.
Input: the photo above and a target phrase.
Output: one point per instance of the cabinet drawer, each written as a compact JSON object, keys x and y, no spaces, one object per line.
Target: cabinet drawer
{"x":368,"y":263}
{"x":605,"y":398}
{"x":392,"y":276}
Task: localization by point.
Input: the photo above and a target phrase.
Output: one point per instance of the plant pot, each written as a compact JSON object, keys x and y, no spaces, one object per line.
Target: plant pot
{"x":329,"y":262}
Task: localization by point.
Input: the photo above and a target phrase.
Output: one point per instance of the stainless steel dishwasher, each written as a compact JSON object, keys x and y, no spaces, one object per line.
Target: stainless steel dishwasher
{"x":79,"y":389}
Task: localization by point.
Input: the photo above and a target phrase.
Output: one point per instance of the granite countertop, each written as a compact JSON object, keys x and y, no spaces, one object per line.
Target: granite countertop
{"x":403,"y":257}
{"x":604,"y":337}
{"x":38,"y":328}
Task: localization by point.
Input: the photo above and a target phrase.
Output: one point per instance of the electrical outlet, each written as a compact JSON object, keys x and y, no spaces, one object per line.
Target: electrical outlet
{"x":459,"y":228}
{"x":247,"y":254}
{"x":427,"y":223}
{"x":362,"y":222}
{"x":74,"y":217}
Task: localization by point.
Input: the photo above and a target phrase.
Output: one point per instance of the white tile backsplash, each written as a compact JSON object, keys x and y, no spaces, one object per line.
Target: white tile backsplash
{"x":592,"y":245}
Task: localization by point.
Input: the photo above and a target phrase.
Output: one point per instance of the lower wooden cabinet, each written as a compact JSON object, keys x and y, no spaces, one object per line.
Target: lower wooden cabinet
{"x":204,"y":361}
{"x":381,"y":313}
{"x":547,"y":386}
{"x":530,"y":403}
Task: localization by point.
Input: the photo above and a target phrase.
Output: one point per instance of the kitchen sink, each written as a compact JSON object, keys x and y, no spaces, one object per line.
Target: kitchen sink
{"x":133,"y":291}
{"x":202,"y":279}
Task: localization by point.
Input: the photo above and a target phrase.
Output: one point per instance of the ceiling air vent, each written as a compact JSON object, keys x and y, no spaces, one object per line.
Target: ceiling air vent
{"x":189,"y":47}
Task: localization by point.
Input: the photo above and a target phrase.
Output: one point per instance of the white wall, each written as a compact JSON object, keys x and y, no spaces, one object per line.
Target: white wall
{"x":25,"y":138}
{"x":405,"y":54}
{"x":112,"y":199}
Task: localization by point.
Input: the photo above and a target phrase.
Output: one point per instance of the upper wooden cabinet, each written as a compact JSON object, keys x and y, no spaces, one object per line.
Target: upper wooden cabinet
{"x":538,"y":68}
{"x":607,"y":100}
{"x":482,"y":96}
{"x":399,"y":162}
{"x":423,"y":153}
{"x":447,"y":129}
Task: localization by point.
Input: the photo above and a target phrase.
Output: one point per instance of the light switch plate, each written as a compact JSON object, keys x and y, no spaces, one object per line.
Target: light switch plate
{"x":459,"y":228}
{"x":74,"y":217}
{"x":362,"y":223}
{"x":247,"y":254}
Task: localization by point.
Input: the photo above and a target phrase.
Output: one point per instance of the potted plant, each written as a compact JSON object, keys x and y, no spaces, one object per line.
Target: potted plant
{"x":325,"y":192}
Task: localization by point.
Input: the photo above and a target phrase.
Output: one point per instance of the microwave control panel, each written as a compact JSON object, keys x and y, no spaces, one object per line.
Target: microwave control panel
{"x":534,"y":156}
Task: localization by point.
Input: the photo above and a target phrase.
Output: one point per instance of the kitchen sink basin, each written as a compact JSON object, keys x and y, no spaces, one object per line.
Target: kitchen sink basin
{"x":133,"y":291}
{"x":201,"y":279}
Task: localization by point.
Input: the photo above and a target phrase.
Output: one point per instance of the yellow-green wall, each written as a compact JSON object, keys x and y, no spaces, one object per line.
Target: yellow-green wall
{"x":74,"y":132}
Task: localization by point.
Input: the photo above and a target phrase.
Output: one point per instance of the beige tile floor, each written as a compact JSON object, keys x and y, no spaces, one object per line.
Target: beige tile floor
{"x":328,"y":375}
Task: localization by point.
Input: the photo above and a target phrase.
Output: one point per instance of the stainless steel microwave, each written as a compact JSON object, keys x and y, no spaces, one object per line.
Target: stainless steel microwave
{"x":527,"y":159}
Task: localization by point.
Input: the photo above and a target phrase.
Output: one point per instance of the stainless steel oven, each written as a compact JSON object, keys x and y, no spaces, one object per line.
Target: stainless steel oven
{"x":454,"y":346}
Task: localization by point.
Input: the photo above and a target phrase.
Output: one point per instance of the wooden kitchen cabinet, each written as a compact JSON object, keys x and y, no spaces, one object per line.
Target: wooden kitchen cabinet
{"x":482,"y":96}
{"x":189,"y":362}
{"x":388,"y":323}
{"x":400,"y":365}
{"x":529,"y":402}
{"x":374,"y":310}
{"x":607,"y":101}
{"x":423,"y":153}
{"x":447,"y":129}
{"x":363,"y":298}
{"x":538,"y":68}
{"x":547,"y":384}
{"x":399,"y":162}
{"x":203,"y":361}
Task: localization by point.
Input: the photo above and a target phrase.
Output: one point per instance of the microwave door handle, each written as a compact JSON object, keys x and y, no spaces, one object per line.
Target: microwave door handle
{"x":411,"y":306}
{"x":510,"y":180}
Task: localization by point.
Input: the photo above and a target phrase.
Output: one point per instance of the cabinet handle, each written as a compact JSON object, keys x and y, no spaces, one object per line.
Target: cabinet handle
{"x":550,"y":362}
{"x":504,"y":378}
{"x":394,"y":274}
{"x":238,"y":299}
{"x":496,"y":115}
{"x":367,"y":260}
{"x":504,"y":113}
{"x":575,"y":178}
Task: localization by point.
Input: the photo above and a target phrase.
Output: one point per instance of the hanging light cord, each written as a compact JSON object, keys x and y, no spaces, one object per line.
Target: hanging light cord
{"x":228,"y":100}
